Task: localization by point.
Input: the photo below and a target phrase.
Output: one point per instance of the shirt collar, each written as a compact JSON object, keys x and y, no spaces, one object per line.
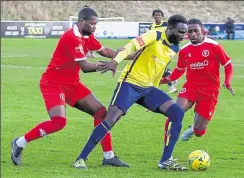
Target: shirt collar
{"x":165,"y":38}
{"x":76,"y":31}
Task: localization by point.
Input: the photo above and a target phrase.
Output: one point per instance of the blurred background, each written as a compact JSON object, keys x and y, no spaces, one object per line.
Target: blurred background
{"x":214,"y":15}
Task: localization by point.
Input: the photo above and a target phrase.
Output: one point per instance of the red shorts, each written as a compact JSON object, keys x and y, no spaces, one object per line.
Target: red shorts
{"x":205,"y":99}
{"x":55,"y":94}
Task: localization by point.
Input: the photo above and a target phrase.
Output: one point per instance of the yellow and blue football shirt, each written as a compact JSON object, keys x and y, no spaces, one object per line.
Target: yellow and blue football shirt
{"x":149,"y":65}
{"x":160,"y":27}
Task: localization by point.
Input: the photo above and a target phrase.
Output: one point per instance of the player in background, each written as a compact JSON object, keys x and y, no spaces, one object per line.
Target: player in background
{"x":60,"y":84}
{"x":138,"y":83}
{"x":201,"y":59}
{"x":160,"y":24}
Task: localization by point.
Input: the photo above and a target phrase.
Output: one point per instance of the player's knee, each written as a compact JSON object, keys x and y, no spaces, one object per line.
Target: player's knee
{"x":113,"y":115}
{"x":99,"y":115}
{"x":198,"y":132}
{"x":59,"y":122}
{"x":175,"y":113}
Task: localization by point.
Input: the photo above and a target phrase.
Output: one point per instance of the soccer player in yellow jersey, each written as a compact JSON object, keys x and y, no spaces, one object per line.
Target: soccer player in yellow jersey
{"x":138,"y":83}
{"x":159,"y":25}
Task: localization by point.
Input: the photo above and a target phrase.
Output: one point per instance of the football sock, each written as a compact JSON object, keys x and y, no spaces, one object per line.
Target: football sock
{"x":165,"y":130}
{"x":21,"y":142}
{"x":55,"y":124}
{"x":175,"y":114}
{"x":106,"y":142}
{"x":108,"y":154}
{"x":199,"y":133}
{"x":97,"y":135}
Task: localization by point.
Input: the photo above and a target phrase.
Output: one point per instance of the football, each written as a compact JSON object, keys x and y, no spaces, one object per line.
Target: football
{"x":198,"y":160}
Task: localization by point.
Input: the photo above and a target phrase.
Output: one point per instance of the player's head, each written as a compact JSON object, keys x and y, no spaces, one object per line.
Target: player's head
{"x":157,"y":14}
{"x":176,"y":29}
{"x":195,"y":29}
{"x":87,"y":21}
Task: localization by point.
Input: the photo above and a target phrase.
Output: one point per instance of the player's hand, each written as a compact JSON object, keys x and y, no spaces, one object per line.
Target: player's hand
{"x":106,"y":66}
{"x":120,"y":49}
{"x":165,"y":80}
{"x":228,"y":87}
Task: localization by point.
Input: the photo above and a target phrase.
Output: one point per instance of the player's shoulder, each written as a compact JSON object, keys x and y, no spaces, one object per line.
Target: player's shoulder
{"x":210,"y":41}
{"x":184,"y":47}
{"x":154,"y":33}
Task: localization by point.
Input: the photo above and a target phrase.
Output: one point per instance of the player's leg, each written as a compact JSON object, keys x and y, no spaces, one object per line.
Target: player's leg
{"x":89,"y":103}
{"x":158,"y":101}
{"x":82,"y":99}
{"x":55,"y":104}
{"x":204,"y":111}
{"x":125,"y":95}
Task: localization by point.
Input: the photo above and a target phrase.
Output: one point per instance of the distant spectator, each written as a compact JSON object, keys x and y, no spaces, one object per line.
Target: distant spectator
{"x":229,"y":27}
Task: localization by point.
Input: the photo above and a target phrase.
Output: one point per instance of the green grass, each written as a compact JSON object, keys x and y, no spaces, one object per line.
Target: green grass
{"x":137,"y":138}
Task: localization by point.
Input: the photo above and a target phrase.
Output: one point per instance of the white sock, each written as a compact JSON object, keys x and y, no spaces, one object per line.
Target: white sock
{"x":108,"y":154}
{"x":21,"y":142}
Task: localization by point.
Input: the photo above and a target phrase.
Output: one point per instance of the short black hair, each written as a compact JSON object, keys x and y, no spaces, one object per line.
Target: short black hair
{"x":177,"y":18}
{"x":86,"y":13}
{"x":194,"y":21}
{"x":157,"y":11}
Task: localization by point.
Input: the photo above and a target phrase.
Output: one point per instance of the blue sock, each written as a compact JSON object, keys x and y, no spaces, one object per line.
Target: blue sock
{"x":97,"y":135}
{"x":175,"y":114}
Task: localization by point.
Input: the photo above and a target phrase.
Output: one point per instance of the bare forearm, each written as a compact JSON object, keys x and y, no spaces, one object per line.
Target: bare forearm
{"x":107,"y":52}
{"x":87,"y":67}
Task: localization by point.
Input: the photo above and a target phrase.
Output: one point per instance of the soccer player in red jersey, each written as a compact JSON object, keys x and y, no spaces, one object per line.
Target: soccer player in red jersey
{"x":60,"y":84}
{"x":201,"y":59}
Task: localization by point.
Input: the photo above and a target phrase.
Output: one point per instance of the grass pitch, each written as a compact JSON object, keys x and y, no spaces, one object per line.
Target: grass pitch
{"x":137,"y":138}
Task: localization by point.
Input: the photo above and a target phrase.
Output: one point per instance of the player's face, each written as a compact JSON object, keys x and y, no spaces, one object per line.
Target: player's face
{"x":89,"y":26}
{"x":157,"y":17}
{"x":195,"y":33}
{"x":176,"y":34}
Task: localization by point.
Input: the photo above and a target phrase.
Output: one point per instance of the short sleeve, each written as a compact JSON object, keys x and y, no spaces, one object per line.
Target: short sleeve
{"x":222,"y":57}
{"x":181,"y":63}
{"x":94,"y":44}
{"x":75,"y":48}
{"x":145,"y":39}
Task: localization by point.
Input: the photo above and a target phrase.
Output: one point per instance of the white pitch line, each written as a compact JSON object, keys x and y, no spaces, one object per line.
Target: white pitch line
{"x":42,"y":68}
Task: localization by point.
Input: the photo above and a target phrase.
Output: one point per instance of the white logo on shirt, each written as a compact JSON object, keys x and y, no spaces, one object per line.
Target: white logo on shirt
{"x":62,"y":96}
{"x":199,"y":65}
{"x":189,"y":54}
{"x":205,"y":53}
{"x":183,"y":90}
{"x":79,"y":49}
{"x":158,"y":60}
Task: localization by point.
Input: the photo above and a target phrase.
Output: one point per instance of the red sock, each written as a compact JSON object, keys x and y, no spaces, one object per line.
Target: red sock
{"x":106,"y":142}
{"x":45,"y":128}
{"x":165,"y":130}
{"x":199,"y":133}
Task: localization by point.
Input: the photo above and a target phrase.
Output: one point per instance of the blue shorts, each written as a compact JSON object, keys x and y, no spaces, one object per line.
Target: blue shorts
{"x":126,"y":94}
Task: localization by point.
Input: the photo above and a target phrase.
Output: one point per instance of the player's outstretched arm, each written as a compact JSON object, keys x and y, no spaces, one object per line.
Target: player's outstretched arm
{"x":112,"y":65}
{"x":108,"y":52}
{"x":176,"y":74}
{"x":86,"y":66}
{"x":228,"y":77}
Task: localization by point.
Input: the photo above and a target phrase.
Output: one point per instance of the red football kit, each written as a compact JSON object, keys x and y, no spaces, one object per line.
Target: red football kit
{"x":202,"y":63}
{"x":60,"y":83}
